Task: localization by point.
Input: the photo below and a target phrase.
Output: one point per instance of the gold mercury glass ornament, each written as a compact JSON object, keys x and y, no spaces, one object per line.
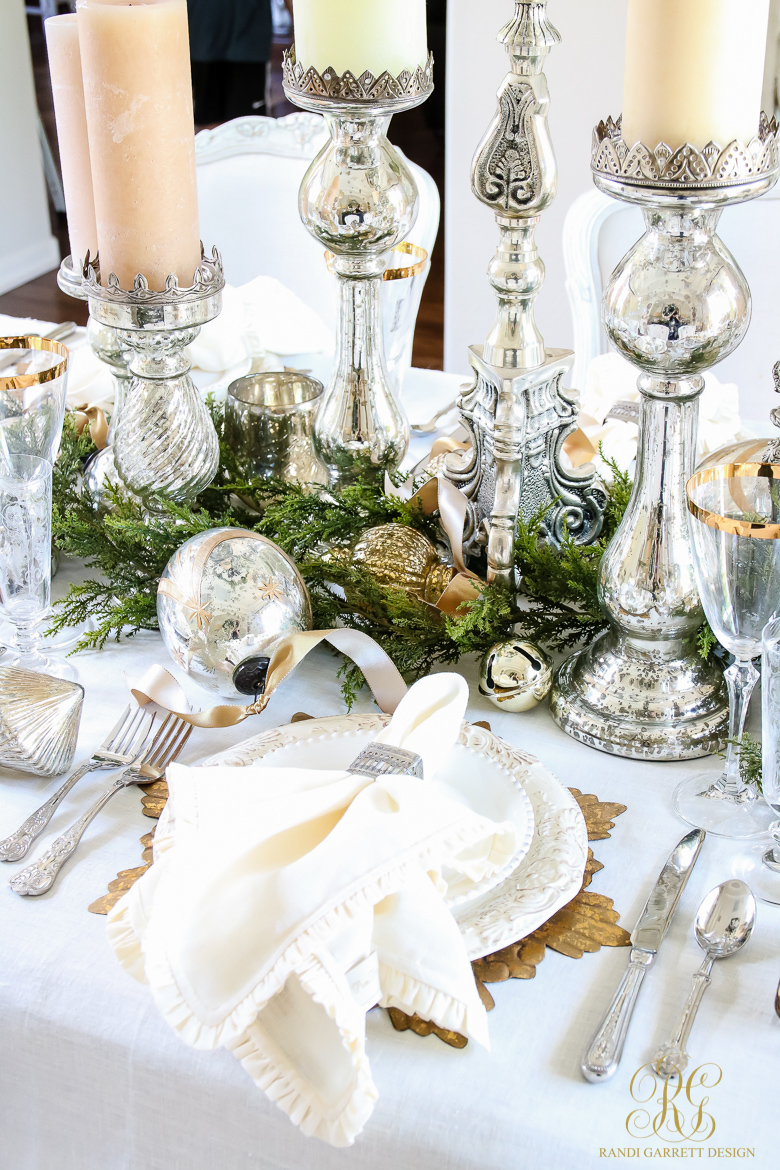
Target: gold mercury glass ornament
{"x":394,"y":554}
{"x":515,"y":676}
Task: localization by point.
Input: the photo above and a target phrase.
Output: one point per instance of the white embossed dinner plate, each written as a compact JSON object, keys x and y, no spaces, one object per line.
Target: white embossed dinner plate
{"x":490,"y":776}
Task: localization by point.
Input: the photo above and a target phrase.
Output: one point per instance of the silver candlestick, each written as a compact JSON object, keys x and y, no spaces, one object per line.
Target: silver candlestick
{"x":359,"y":200}
{"x":518,"y":412}
{"x":165,"y":443}
{"x":677,"y":304}
{"x":106,"y":346}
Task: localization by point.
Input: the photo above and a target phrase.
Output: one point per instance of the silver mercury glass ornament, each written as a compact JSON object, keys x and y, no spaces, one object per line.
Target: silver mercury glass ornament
{"x":515,"y":676}
{"x":675,"y":306}
{"x":359,"y":200}
{"x":518,"y":412}
{"x":226,"y":596}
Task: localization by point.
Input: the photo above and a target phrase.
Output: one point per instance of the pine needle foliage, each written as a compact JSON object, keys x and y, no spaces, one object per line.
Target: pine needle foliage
{"x":128,"y":550}
{"x":750,"y":759}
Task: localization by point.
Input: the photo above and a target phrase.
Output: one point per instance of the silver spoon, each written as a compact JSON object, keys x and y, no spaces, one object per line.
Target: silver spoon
{"x":723,"y":925}
{"x":427,"y":428}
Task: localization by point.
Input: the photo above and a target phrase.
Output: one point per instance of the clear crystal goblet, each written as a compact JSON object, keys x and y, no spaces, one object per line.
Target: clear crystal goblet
{"x":734,"y":518}
{"x":25,"y":559}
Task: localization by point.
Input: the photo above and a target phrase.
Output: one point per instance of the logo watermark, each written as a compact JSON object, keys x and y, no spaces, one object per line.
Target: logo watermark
{"x":676,"y":1111}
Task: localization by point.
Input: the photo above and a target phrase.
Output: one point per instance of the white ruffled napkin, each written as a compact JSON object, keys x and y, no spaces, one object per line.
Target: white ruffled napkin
{"x":283,"y":903}
{"x":261,"y":323}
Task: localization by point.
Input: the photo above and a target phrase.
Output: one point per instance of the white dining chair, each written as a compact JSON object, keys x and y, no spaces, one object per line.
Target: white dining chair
{"x":599,"y":231}
{"x":249,"y":174}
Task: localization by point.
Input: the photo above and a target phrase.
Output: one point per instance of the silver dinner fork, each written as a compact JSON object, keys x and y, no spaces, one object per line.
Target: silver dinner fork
{"x":41,"y":874}
{"x":122,"y":746}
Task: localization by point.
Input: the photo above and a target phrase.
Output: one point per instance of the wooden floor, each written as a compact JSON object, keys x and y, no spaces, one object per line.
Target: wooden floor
{"x":42,"y":298}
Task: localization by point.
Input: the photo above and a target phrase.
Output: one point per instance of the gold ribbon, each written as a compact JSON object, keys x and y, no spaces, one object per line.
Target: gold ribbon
{"x":94,"y":418}
{"x":159,"y":686}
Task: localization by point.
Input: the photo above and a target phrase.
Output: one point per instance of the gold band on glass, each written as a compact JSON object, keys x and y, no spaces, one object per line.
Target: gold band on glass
{"x":759,"y":530}
{"x":22,"y":381}
{"x":406,"y":249}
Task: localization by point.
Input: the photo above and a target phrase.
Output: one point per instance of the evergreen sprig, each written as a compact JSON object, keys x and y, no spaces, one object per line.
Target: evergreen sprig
{"x":750,"y":759}
{"x":557,"y":604}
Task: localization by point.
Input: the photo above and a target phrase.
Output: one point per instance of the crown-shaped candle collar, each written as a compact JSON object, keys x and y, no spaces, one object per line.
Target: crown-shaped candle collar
{"x":346,"y":87}
{"x":208,"y":279}
{"x":685,"y":168}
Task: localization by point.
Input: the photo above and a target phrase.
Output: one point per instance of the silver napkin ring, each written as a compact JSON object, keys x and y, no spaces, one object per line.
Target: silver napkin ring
{"x":382,"y":759}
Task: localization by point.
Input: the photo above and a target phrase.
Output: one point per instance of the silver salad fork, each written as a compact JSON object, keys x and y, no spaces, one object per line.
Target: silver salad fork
{"x":41,"y":874}
{"x":122,"y":746}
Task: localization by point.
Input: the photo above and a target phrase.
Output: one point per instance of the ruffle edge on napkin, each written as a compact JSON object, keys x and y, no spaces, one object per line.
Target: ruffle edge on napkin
{"x":341,"y":1119}
{"x":243,"y":1032}
{"x":286,"y":902}
{"x":150,"y":957}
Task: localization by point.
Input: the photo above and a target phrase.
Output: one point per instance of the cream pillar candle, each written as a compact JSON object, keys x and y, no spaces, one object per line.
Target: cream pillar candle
{"x":360,"y":35}
{"x":62,"y":43}
{"x":138,"y":93}
{"x":694,"y":71}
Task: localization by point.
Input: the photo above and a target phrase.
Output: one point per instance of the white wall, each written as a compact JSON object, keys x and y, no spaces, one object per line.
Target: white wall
{"x":585,"y":74}
{"x":27,"y":247}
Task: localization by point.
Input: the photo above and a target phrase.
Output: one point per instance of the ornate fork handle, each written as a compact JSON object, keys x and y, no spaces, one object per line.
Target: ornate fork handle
{"x":41,"y":874}
{"x":16,"y":846}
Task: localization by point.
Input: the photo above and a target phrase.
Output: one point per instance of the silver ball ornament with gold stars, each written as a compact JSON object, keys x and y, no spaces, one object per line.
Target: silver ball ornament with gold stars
{"x":226,"y":595}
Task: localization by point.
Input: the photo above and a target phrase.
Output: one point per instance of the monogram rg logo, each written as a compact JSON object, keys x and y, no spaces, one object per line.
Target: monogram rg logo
{"x":681,"y":1114}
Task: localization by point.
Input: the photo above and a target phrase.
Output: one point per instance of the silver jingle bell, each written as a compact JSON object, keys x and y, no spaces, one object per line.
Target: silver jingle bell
{"x":515,"y":676}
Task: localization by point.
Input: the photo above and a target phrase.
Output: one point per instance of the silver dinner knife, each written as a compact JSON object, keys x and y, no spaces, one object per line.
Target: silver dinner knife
{"x":605,"y":1050}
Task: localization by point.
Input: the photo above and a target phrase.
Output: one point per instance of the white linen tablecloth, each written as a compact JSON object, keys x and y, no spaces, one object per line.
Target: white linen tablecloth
{"x":92,"y":1079}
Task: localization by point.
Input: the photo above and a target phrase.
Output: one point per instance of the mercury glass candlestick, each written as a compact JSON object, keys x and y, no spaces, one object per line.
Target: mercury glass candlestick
{"x":105,"y":343}
{"x":359,"y":200}
{"x":165,"y":443}
{"x":675,"y":306}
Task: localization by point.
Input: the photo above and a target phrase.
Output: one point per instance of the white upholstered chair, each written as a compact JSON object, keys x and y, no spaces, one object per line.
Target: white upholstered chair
{"x":249,"y":173}
{"x":599,"y":231}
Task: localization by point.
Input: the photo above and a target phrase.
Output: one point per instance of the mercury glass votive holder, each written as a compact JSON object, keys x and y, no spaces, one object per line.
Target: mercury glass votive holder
{"x":269,"y":426}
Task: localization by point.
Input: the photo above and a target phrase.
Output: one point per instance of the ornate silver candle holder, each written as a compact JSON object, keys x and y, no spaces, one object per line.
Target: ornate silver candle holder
{"x":165,"y":444}
{"x":107,"y":347}
{"x":359,"y":200}
{"x":518,"y":412}
{"x":677,"y":304}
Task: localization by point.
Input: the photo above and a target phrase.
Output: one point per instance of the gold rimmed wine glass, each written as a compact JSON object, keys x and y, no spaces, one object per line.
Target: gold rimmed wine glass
{"x":734,"y":518}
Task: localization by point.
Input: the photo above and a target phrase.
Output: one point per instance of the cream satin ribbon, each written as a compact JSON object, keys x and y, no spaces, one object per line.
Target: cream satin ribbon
{"x":440,"y":495}
{"x":159,"y":686}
